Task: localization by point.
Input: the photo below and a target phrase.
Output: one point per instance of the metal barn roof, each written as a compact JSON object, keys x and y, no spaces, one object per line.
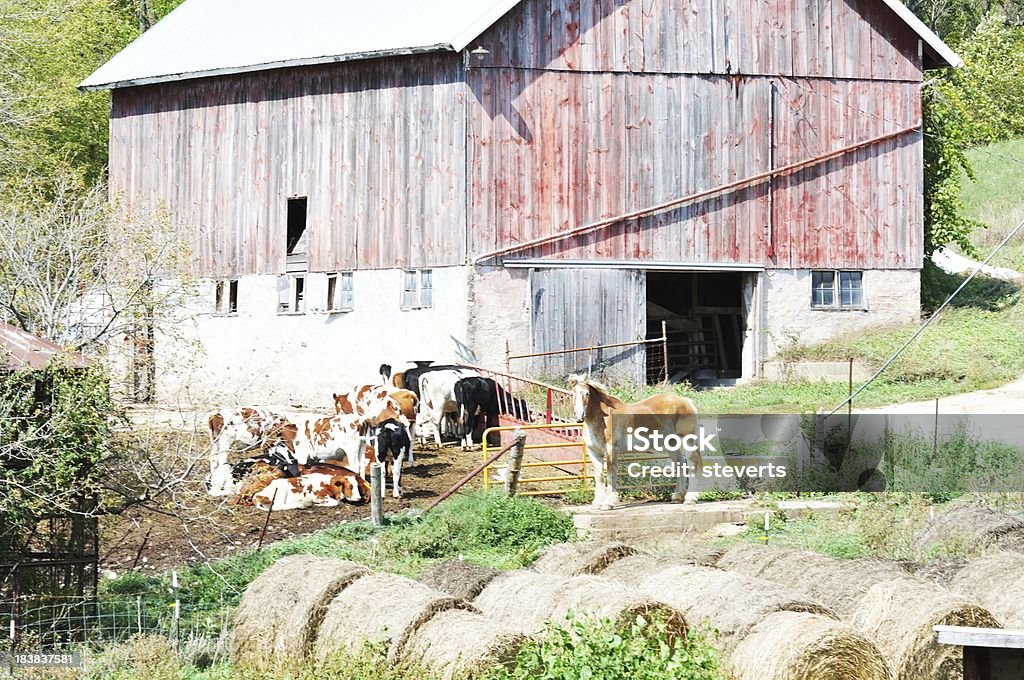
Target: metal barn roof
{"x":26,"y":351}
{"x":217,"y":37}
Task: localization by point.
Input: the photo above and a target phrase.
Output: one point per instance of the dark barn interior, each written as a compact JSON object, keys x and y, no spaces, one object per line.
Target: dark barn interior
{"x":705,"y":318}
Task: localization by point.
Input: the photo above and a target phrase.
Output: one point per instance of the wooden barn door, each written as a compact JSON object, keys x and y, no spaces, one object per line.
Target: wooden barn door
{"x":574,"y":308}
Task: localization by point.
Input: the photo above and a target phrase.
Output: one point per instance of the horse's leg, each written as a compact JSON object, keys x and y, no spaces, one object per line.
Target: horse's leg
{"x":598,"y":467}
{"x":682,"y":481}
{"x":611,"y":498}
{"x":691,"y":482}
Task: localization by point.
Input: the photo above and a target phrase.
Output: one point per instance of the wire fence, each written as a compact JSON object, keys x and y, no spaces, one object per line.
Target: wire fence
{"x":65,"y":623}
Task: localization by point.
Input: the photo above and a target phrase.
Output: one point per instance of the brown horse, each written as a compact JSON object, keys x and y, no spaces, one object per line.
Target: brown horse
{"x":604,"y":434}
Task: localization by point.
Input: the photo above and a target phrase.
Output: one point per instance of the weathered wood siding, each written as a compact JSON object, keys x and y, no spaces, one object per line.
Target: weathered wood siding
{"x":377,"y":146}
{"x":583,"y":307}
{"x":584,"y":111}
{"x":860,"y":39}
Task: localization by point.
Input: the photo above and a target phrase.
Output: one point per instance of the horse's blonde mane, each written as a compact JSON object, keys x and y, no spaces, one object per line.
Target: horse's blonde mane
{"x":581,"y":379}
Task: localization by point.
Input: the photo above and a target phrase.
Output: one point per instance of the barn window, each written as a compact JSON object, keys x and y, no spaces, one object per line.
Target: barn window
{"x":417,"y":288}
{"x":837,"y":289}
{"x":339,"y":292}
{"x":291,"y":289}
{"x":225,"y":296}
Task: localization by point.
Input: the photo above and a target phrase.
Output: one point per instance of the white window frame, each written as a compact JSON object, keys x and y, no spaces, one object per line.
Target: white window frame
{"x":296,"y":287}
{"x":225,"y":297}
{"x":837,"y":290}
{"x":417,"y":289}
{"x":340,"y":292}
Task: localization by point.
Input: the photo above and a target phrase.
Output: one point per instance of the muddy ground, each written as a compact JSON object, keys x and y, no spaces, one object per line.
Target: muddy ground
{"x":184,"y":526}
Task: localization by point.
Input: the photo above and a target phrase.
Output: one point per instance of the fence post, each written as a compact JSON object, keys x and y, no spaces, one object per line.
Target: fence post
{"x":515,"y":463}
{"x":176,"y":620}
{"x":664,"y":348}
{"x":138,"y":612}
{"x":376,"y":496}
{"x":547,"y":408}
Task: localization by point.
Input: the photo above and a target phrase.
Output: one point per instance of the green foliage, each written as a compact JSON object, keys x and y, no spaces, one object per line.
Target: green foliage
{"x":482,"y":523}
{"x":489,"y":529}
{"x":590,"y":649}
{"x":55,"y":432}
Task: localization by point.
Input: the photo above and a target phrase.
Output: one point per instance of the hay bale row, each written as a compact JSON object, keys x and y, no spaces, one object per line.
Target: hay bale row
{"x":733,"y":603}
{"x":278,"y":619}
{"x":634,"y":569}
{"x":972,"y":527}
{"x":462,"y":580}
{"x":379,"y":608}
{"x":838,"y":584}
{"x":801,"y":646}
{"x":527,"y":600}
{"x":995,"y":582}
{"x":577,"y":559}
{"x":764,"y":631}
{"x":900,"y":616}
{"x":461,"y":643}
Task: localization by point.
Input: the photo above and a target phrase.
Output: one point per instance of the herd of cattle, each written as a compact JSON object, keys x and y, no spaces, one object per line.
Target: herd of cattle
{"x":299,"y":462}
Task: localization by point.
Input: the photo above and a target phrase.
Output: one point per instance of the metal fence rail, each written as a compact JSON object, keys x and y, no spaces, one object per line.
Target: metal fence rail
{"x":561,"y":475}
{"x":528,"y":400}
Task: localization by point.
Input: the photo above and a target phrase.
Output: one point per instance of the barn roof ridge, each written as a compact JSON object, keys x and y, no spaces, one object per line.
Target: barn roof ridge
{"x":191,"y":42}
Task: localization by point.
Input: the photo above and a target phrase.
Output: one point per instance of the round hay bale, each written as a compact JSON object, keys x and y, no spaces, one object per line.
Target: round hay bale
{"x":941,"y":571}
{"x":527,"y":600}
{"x":732,"y":603}
{"x":798,"y":646}
{"x":838,"y":584}
{"x":459,"y":643}
{"x":282,"y":609}
{"x":461,"y":580}
{"x":971,"y":527}
{"x":379,"y":608}
{"x":995,"y":582}
{"x":575,"y":559}
{"x":634,"y":569}
{"x":900,"y":615}
{"x":698,"y":554}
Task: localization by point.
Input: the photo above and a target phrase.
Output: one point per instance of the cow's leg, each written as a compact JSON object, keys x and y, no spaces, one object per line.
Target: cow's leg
{"x":437,"y":417}
{"x":396,"y":476}
{"x":412,"y":440}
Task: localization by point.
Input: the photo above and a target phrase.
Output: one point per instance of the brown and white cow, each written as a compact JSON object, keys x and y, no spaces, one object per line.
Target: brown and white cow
{"x":319,"y":485}
{"x":249,"y":426}
{"x":381,"y":403}
{"x":312,"y":438}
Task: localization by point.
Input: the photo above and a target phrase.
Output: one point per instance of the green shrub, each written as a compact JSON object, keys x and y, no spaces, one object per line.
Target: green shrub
{"x":590,"y":649}
{"x":481,"y":523}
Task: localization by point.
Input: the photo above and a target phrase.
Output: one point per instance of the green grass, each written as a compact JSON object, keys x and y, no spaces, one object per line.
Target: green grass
{"x":882,"y":525}
{"x":996,"y":199}
{"x":490,"y":529}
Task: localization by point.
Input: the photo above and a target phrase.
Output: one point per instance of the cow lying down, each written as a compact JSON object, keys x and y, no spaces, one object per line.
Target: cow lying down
{"x":326,"y":485}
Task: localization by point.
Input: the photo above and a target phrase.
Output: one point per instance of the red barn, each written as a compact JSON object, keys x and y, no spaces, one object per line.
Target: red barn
{"x":430,"y":179}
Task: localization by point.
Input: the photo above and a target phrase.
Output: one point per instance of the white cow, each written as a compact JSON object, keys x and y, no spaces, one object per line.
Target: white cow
{"x":437,"y":400}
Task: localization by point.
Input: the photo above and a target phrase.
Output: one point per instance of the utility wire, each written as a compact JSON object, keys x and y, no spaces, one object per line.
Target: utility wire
{"x":929,"y":320}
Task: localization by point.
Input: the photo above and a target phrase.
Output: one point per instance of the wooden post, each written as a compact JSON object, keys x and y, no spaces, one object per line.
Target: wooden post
{"x":664,"y":348}
{"x":849,"y":409}
{"x":266,"y":522}
{"x":376,"y":496}
{"x":515,"y":463}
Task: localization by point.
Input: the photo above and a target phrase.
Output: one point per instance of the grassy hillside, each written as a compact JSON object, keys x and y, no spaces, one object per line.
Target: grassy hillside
{"x":997,"y":199}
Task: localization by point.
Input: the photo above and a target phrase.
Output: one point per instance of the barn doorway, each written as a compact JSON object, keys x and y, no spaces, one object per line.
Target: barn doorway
{"x":705,"y":315}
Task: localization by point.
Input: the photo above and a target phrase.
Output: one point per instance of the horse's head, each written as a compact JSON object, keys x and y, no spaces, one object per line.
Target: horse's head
{"x":580,"y":386}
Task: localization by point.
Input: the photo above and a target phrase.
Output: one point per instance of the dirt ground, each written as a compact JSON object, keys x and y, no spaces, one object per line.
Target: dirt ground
{"x":189,"y":526}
